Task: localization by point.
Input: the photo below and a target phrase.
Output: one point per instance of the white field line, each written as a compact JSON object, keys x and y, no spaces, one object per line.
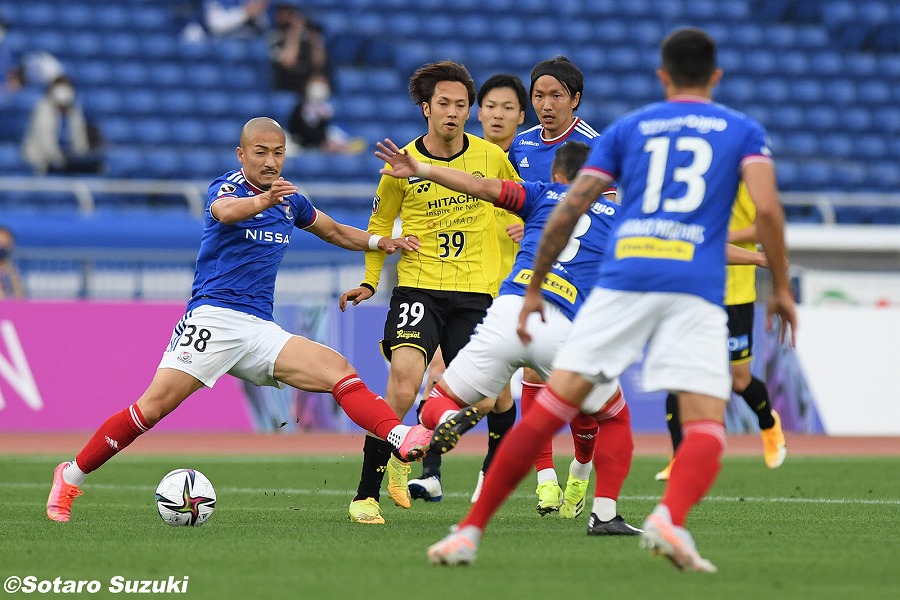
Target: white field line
{"x":346,"y":492}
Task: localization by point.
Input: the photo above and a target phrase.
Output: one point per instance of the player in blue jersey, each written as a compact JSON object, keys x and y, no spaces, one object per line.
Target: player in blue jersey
{"x":251,"y":215}
{"x":483,"y":367}
{"x":556,"y":90}
{"x":557,"y":86}
{"x":659,"y":290}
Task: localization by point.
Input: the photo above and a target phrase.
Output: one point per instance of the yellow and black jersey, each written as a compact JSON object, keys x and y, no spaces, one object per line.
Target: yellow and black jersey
{"x":508,"y":248}
{"x":458,"y":233}
{"x":740,"y":280}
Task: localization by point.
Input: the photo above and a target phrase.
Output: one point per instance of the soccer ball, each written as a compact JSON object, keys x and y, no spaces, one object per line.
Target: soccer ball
{"x":185,"y":497}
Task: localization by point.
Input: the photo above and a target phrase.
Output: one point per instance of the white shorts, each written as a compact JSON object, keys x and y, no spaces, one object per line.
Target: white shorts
{"x":686,"y":340}
{"x":210,"y":341}
{"x":484,"y":366}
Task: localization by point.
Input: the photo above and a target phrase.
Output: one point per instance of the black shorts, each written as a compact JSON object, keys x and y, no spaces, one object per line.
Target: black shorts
{"x":426,"y":319}
{"x":740,"y":332}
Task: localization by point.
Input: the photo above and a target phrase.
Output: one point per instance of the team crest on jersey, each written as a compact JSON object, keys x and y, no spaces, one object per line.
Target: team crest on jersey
{"x":376,"y":201}
{"x":226,"y":188}
{"x":185,"y":357}
{"x":288,"y":213}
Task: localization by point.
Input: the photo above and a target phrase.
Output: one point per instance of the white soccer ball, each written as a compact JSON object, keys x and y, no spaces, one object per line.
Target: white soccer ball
{"x":185,"y":497}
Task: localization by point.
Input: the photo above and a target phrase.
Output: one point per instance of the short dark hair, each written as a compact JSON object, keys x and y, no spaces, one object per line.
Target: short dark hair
{"x":504,"y":80}
{"x":569,"y":158}
{"x":564,"y":70}
{"x":424,"y":81}
{"x":689,"y":56}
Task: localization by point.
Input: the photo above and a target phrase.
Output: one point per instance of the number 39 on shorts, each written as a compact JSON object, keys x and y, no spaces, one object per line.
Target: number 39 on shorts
{"x":410,"y":314}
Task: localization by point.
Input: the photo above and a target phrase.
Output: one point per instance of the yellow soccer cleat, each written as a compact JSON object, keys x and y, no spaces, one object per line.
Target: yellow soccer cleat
{"x":366,"y":511}
{"x":774,"y":446}
{"x":573,"y":498}
{"x":398,"y":482}
{"x":664,"y":474}
{"x":549,"y":497}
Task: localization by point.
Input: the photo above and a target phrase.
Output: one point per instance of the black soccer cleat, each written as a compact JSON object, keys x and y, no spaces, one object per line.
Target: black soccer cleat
{"x":615,"y":526}
{"x":448,"y":433}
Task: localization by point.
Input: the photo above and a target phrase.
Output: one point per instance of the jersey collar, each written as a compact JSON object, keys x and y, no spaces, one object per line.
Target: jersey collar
{"x":561,"y":136}
{"x":252,"y":187}
{"x":420,"y":146}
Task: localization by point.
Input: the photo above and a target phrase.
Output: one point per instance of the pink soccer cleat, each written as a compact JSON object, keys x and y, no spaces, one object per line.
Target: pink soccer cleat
{"x":415,"y":445}
{"x":59,"y":504}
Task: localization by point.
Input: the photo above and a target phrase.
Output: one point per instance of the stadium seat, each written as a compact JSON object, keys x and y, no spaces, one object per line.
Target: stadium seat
{"x":837,"y":144}
{"x":102,"y":102}
{"x":118,"y":130}
{"x":125,"y":161}
{"x":11,"y":162}
{"x":132,"y":73}
{"x":153,"y":131}
{"x":120,"y":46}
{"x":179,"y":102}
{"x":807,"y":91}
{"x":187,"y":131}
{"x":167,"y":74}
{"x":83,"y":44}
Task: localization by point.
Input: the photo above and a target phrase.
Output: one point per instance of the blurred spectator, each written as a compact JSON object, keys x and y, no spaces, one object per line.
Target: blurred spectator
{"x":296,"y":49}
{"x":228,"y":18}
{"x":310,"y":125}
{"x":57,"y":139}
{"x":10,"y":281}
{"x":10,"y":71}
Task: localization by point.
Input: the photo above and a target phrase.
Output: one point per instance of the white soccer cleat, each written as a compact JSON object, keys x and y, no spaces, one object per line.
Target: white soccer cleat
{"x":455,"y":549}
{"x":427,"y":489}
{"x":662,"y":537}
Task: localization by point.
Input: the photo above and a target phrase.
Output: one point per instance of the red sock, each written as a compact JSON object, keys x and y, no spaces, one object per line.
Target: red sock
{"x":516,"y":453}
{"x":584,"y":435}
{"x":364,"y":407}
{"x":116,"y":433}
{"x":544,"y":457}
{"x":614,"y":449}
{"x":436,"y":405}
{"x":697,"y":462}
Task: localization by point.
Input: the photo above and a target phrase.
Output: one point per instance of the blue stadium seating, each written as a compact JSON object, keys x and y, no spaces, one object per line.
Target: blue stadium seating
{"x":819,"y":74}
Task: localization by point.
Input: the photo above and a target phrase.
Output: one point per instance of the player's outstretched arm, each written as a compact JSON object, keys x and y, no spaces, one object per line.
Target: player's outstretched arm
{"x":404,"y":165}
{"x":735,"y":255}
{"x":231,"y":210}
{"x":760,"y":179}
{"x":353,"y":238}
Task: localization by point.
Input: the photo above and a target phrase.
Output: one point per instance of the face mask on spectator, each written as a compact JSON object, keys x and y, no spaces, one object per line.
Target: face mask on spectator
{"x":62,"y":94}
{"x":317,"y":91}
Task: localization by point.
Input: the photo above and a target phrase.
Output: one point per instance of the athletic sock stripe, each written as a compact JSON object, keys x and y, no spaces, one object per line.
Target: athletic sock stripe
{"x":342,"y":386}
{"x":556,"y":405}
{"x":533,"y":385}
{"x":711,"y":428}
{"x":137,"y":420}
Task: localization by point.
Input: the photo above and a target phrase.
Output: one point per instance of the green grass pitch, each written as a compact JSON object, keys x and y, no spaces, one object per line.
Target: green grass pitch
{"x":816,"y":528}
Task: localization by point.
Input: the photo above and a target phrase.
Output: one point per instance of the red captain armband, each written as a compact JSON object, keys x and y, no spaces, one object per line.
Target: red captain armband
{"x":512,"y":196}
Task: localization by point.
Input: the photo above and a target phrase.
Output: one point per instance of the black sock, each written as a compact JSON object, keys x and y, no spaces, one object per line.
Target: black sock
{"x":376,"y":453}
{"x":431,"y":466}
{"x":498,"y":425}
{"x":757,"y":397}
{"x":673,"y":420}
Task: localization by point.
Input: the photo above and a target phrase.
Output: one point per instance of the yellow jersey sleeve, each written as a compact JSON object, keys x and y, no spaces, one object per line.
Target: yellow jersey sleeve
{"x":740,"y":280}
{"x":385,"y":210}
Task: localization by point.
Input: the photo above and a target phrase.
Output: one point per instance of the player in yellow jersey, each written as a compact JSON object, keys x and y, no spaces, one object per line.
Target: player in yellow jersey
{"x":445,"y":288}
{"x":501,"y":109}
{"x":740,"y":295}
